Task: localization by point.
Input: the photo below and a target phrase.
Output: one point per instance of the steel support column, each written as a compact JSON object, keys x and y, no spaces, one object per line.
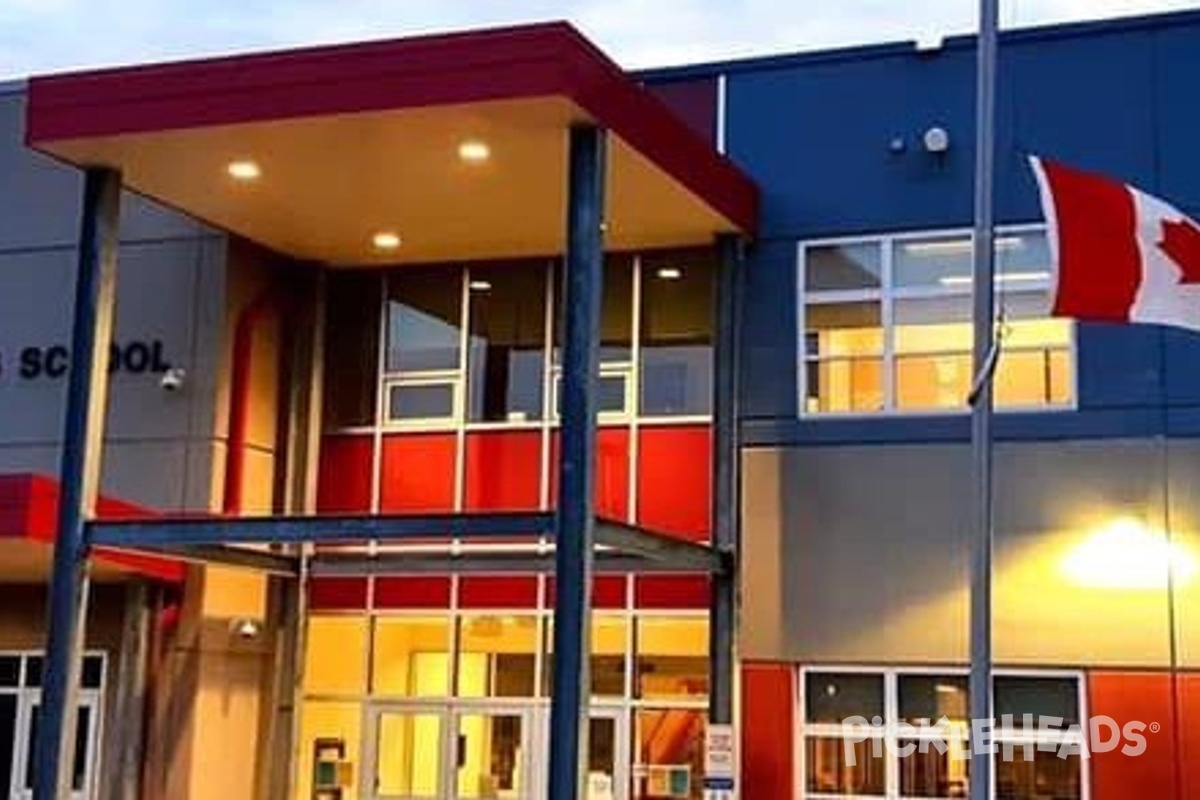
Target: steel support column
{"x":582,"y":287}
{"x":725,"y":497}
{"x":79,"y":475}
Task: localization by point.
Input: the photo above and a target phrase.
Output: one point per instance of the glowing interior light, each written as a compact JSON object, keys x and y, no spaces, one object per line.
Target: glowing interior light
{"x":669,"y":273}
{"x":1005,"y":277}
{"x":386,"y":240}
{"x":474,"y":151}
{"x":243,"y":170}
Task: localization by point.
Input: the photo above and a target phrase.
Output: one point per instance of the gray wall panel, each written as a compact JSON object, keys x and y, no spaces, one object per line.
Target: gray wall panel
{"x":859,"y":554}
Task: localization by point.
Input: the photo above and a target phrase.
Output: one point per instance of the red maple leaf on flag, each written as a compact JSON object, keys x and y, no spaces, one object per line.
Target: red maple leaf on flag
{"x":1181,"y":243}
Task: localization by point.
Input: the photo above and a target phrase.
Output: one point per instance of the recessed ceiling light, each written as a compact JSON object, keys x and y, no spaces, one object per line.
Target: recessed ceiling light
{"x":480,"y":286}
{"x":474,"y":151}
{"x":669,"y":273}
{"x":386,"y":240}
{"x":243,"y":170}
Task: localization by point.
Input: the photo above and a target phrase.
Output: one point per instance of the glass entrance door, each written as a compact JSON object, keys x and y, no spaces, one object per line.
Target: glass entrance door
{"x":493,"y":753}
{"x":405,"y":756}
{"x":608,"y":753}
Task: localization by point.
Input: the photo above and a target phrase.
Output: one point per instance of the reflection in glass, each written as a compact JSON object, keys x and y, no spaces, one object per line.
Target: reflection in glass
{"x":842,"y":267}
{"x":616,"y":311}
{"x":505,"y":358}
{"x":351,"y":361}
{"x":1049,"y":697}
{"x":931,"y":697}
{"x":413,"y":401}
{"x":424,"y":319}
{"x":677,"y":334}
{"x":833,"y":697}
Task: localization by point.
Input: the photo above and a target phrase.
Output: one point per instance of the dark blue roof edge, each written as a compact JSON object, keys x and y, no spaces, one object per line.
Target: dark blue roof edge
{"x":1035,"y":33}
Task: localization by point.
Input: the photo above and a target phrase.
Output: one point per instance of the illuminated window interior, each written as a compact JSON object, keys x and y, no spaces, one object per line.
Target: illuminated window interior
{"x":888,"y":326}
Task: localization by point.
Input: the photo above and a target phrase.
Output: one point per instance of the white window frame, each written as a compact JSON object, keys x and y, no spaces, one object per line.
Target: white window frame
{"x":29,"y":697}
{"x":891,"y":704}
{"x":886,"y":295}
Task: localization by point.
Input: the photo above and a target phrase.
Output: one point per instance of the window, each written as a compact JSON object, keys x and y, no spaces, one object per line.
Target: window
{"x":20,"y":713}
{"x":467,"y":346}
{"x":887,"y":325}
{"x":351,"y":363}
{"x":676,"y":334}
{"x":423,"y":359}
{"x":507,"y":343}
{"x":905,"y":734}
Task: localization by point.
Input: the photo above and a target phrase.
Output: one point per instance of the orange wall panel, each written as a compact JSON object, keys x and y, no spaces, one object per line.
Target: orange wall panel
{"x":418,"y":473}
{"x":675,"y":480}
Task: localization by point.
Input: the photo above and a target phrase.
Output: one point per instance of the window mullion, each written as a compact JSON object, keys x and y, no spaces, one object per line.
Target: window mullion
{"x":886,"y":312}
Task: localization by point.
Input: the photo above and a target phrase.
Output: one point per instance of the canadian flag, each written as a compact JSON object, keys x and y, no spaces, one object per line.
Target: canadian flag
{"x":1119,"y":254}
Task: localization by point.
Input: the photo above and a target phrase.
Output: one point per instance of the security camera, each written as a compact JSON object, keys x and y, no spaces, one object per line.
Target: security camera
{"x":172,"y":379}
{"x":246,"y":629}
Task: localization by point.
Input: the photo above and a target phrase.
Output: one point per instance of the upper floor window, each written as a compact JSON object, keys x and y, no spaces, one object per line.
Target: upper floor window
{"x":886,"y":325}
{"x":481,"y":344}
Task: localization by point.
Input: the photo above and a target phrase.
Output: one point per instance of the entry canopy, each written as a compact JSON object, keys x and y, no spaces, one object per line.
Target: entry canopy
{"x":453,"y":144}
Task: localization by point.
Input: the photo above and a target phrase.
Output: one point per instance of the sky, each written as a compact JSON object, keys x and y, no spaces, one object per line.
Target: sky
{"x":39,"y":36}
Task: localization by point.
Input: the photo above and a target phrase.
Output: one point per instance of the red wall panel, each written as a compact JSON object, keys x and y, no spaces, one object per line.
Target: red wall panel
{"x":608,"y":591}
{"x":504,"y":471}
{"x":612,"y":472}
{"x":418,"y":473}
{"x":675,"y":480}
{"x":671,"y":591}
{"x":1189,"y":738}
{"x":344,"y":478}
{"x":768,"y":729}
{"x":412,"y":592}
{"x":1126,"y":697}
{"x":498,"y":592}
{"x":337,"y":594}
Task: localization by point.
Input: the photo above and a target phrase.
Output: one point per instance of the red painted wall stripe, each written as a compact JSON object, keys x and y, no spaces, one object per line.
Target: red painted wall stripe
{"x":1100,"y":266}
{"x":504,"y":471}
{"x":418,"y":473}
{"x":675,"y":480}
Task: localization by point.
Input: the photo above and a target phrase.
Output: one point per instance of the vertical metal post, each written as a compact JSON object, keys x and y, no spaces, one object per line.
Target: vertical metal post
{"x":124,"y":781}
{"x":79,"y":476}
{"x":725,"y":496}
{"x":582,"y":288}
{"x":981,"y":410}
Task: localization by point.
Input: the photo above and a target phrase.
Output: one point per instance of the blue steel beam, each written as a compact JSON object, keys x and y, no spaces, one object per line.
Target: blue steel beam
{"x":79,"y":475}
{"x":726,"y":479}
{"x":573,"y":554}
{"x":296,"y":530}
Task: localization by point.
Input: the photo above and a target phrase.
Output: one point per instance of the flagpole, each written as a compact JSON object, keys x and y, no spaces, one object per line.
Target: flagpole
{"x":981,"y":399}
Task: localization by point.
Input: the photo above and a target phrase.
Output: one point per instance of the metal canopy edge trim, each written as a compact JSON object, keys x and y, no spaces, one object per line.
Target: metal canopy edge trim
{"x":334,"y":565}
{"x":523,"y":62}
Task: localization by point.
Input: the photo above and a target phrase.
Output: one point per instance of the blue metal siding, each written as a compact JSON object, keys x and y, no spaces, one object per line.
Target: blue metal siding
{"x":815,"y":133}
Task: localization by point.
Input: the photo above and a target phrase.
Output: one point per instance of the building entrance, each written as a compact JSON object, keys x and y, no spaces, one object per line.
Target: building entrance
{"x":478,"y":751}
